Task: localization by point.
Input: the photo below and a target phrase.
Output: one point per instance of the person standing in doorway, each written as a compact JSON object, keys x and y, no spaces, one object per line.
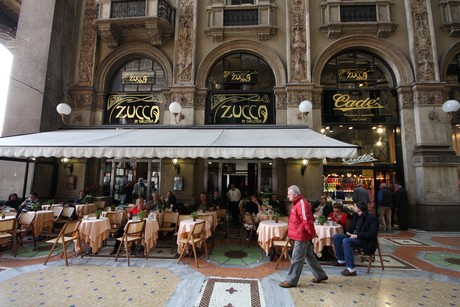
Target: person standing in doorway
{"x":139,"y":189}
{"x":302,"y":231}
{"x":401,"y":203}
{"x":384,"y":206}
{"x":360,"y":194}
{"x":234,"y":196}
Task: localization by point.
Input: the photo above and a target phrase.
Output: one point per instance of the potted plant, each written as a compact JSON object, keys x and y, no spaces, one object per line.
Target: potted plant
{"x":98,"y":213}
{"x":276,"y":217}
{"x":321,"y":220}
{"x":141,"y":214}
{"x":160,"y":207}
{"x":194,"y":215}
{"x":36,"y":206}
{"x":112,"y":207}
{"x":2,"y":213}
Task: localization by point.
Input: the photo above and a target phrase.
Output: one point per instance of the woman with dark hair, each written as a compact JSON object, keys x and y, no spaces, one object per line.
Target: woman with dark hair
{"x":13,"y":201}
{"x":339,"y":216}
{"x":361,"y":234}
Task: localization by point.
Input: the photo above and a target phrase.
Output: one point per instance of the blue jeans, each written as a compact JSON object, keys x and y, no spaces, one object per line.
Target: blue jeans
{"x":344,"y":249}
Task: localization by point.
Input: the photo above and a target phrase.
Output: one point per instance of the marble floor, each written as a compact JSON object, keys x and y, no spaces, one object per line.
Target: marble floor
{"x":421,"y":269}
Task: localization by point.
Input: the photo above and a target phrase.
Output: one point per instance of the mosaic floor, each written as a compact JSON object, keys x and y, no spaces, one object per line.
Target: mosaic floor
{"x":421,"y":269}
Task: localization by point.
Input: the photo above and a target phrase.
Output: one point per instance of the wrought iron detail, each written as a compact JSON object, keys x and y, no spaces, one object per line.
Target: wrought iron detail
{"x":127,"y":8}
{"x":358,"y":13}
{"x":241,"y":17}
{"x":166,"y":11}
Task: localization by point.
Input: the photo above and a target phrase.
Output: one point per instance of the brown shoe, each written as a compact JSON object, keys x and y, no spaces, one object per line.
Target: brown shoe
{"x":319,"y":279}
{"x":338,"y":264}
{"x":285,"y":284}
{"x":348,"y":273}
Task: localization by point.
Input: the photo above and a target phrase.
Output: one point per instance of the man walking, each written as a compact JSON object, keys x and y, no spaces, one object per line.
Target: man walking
{"x":401,"y":205}
{"x":301,"y":230}
{"x":384,"y":206}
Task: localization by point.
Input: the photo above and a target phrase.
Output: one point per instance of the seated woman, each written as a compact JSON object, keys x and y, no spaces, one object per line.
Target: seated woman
{"x":339,"y":216}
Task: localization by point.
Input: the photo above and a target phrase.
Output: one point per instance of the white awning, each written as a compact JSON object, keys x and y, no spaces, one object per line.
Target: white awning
{"x":235,"y":143}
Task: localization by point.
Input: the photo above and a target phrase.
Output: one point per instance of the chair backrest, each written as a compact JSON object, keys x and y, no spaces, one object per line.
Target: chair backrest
{"x":67,"y":212}
{"x":115,"y":217}
{"x":135,"y":229}
{"x":57,"y":211}
{"x":221,"y":213}
{"x":100,"y":204}
{"x":26,"y":219}
{"x":198,"y":229}
{"x":170,"y":217}
{"x":248,"y":218}
{"x":70,"y":228}
{"x":7,"y":225}
{"x":183,"y":217}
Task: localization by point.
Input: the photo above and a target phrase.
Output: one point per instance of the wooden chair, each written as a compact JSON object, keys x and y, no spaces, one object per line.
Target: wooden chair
{"x":134,"y":232}
{"x":284,"y":219}
{"x":371,"y":257}
{"x":57,"y":211}
{"x":69,"y":233}
{"x":249,"y":221}
{"x":65,"y":216}
{"x":182,"y":217}
{"x":8,"y":231}
{"x":115,"y":219}
{"x":170,"y":224}
{"x":285,"y":244}
{"x":222,"y":220}
{"x":195,"y":237}
{"x":25,"y":224}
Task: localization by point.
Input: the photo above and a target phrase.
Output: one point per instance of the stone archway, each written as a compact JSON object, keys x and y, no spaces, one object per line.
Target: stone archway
{"x":452,"y":51}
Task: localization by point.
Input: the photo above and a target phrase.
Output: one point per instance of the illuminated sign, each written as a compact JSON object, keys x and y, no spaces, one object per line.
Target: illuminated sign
{"x":255,"y":108}
{"x":361,"y":159}
{"x":344,"y":103}
{"x":137,"y":77}
{"x":134,"y":108}
{"x":354,"y":74}
{"x":240,"y":76}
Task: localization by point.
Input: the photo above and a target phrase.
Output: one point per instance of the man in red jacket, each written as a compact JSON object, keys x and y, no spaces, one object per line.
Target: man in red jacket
{"x":302,"y":231}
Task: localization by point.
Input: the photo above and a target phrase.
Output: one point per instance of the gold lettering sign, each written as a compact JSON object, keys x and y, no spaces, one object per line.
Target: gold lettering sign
{"x":357,"y":74}
{"x":344,"y":103}
{"x":248,"y":108}
{"x":240,"y":76}
{"x":136,"y":77}
{"x":136,"y":108}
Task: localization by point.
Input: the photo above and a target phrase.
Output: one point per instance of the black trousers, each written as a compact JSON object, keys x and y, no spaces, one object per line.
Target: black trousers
{"x":235,"y":210}
{"x":403,"y":217}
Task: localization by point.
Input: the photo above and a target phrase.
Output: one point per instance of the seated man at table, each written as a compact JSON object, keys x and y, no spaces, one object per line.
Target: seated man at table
{"x":27,"y":205}
{"x":251,"y":207}
{"x":134,"y":211}
{"x":81,"y":198}
{"x":322,"y":208}
{"x":203,"y":204}
{"x":278,"y":205}
{"x":217,"y":201}
{"x":361,"y":234}
{"x":171,"y":201}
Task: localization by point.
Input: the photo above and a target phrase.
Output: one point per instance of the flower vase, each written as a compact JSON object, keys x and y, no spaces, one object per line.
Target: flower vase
{"x":97,"y":217}
{"x":276,"y":220}
{"x":194,"y":219}
{"x":3,"y":216}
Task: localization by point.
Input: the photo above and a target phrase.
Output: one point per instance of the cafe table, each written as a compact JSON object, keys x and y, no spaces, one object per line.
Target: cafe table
{"x":151,"y":234}
{"x":269,"y":230}
{"x":324,"y":236}
{"x":43,"y":220}
{"x":264,"y":216}
{"x":185,"y":227}
{"x":94,"y":231}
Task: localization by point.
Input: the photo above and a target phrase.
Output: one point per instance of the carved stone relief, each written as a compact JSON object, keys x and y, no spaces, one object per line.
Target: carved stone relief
{"x":298,"y":43}
{"x":86,"y":62}
{"x":423,"y":43}
{"x":185,"y":42}
{"x":407,"y":99}
{"x":428,"y":97}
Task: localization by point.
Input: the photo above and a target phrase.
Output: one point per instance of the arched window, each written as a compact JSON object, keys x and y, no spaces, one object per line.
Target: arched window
{"x":240,"y":91}
{"x":134,"y":95}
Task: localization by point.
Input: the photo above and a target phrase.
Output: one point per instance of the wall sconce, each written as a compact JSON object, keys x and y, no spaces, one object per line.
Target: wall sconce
{"x":305,"y":107}
{"x":63,"y":109}
{"x":67,"y":164}
{"x":176,"y":165}
{"x":304,"y":166}
{"x":176,"y":109}
{"x":450,"y":107}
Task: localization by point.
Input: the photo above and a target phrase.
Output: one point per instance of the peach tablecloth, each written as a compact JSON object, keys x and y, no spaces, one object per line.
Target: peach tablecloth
{"x":151,"y":234}
{"x":85,"y":209}
{"x":264,"y":216}
{"x":93,"y":231}
{"x":43,"y":220}
{"x":269,"y":230}
{"x":185,"y":227}
{"x":324,"y":237}
{"x":211,"y":217}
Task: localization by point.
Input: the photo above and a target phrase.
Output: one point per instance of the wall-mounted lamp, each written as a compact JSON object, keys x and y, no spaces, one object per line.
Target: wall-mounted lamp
{"x":63,"y":109}
{"x":305,"y":107}
{"x":176,"y":165}
{"x":304,"y":166}
{"x":176,"y":109}
{"x":450,"y":107}
{"x":67,"y":164}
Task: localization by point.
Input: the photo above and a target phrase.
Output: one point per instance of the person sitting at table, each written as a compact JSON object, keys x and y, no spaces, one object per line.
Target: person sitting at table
{"x":157,"y":202}
{"x":251,"y":207}
{"x":81,"y":198}
{"x":171,"y":201}
{"x":203,"y":203}
{"x":217,"y":201}
{"x":134,"y":211}
{"x":322,"y":208}
{"x":278,"y":205}
{"x":339,"y":216}
{"x":361,"y":234}
{"x":13,"y":201}
{"x":27,"y":205}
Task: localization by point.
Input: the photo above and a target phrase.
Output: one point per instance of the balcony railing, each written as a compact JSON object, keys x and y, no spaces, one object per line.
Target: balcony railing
{"x":241,"y":17}
{"x":357,"y":13}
